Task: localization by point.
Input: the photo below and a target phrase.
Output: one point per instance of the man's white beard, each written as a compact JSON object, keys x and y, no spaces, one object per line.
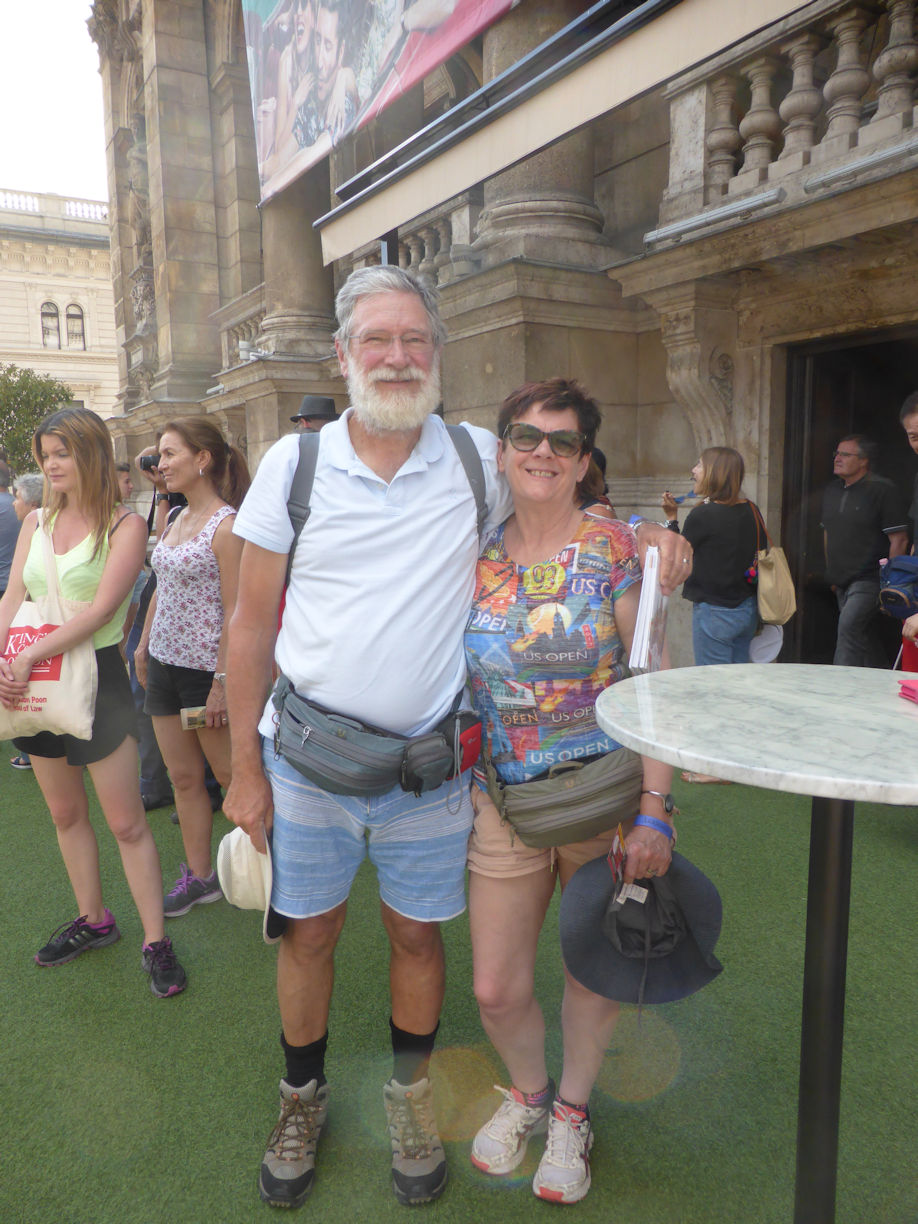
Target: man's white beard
{"x":391,"y":411}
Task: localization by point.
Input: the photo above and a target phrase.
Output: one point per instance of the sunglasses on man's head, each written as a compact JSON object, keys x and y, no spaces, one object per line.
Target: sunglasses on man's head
{"x":565,"y":443}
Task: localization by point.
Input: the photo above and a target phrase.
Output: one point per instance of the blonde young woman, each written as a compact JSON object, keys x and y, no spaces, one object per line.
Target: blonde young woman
{"x":98,"y":547}
{"x":180,"y":658}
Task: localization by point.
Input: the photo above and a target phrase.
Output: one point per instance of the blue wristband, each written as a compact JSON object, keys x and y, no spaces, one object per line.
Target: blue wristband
{"x":651,"y":822}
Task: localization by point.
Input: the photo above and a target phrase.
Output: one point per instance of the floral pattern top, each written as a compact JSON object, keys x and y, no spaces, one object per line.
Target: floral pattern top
{"x":189,"y":611}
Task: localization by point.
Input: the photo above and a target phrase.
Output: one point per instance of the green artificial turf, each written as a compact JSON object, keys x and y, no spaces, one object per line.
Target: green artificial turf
{"x":118,"y":1108}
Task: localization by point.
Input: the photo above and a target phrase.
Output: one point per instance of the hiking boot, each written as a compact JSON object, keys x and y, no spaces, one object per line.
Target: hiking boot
{"x":500,"y":1145}
{"x":289,"y":1166}
{"x":190,"y":890}
{"x":418,"y":1159}
{"x":563,"y":1175}
{"x":167,"y":977}
{"x":69,"y":940}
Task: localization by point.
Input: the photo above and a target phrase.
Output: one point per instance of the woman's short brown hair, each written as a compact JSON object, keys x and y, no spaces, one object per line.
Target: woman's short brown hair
{"x":722,"y":472}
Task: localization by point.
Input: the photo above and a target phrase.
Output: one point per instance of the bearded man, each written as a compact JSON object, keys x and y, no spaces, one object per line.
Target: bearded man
{"x":376,"y":604}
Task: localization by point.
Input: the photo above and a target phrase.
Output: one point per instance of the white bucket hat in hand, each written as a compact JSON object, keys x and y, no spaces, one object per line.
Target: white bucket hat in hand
{"x":246,"y":876}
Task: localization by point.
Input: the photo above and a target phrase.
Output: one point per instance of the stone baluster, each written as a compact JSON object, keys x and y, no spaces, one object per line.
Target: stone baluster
{"x":895,"y":66}
{"x":444,"y":242}
{"x":723,"y":138}
{"x":426,"y":267}
{"x":847,"y":84}
{"x":404,"y":255}
{"x":803,"y":101}
{"x":761,"y":125}
{"x":415,"y":248}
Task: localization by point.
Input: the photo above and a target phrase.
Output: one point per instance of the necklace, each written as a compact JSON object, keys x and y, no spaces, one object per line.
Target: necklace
{"x":188,"y":526}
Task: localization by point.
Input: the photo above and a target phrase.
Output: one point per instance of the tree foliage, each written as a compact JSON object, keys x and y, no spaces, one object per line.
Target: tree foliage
{"x":25,"y":398}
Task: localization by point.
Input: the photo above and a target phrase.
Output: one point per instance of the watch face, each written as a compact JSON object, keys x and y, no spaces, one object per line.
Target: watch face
{"x":668,"y":801}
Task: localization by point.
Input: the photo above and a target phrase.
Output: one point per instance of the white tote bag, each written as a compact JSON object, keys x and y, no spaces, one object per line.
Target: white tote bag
{"x":61,"y":696}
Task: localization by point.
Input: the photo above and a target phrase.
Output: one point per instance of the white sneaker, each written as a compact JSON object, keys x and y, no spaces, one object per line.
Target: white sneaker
{"x":563,"y":1175}
{"x":500,"y":1145}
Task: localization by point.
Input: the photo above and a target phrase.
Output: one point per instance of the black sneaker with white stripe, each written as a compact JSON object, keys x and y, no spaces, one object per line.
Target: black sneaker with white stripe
{"x":69,"y":940}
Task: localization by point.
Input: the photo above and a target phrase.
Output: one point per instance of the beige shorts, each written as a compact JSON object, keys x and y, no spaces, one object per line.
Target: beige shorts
{"x":494,"y":850}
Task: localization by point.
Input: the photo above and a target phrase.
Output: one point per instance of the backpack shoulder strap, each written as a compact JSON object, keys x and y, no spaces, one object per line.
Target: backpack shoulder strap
{"x":301,"y":489}
{"x":471,"y":462}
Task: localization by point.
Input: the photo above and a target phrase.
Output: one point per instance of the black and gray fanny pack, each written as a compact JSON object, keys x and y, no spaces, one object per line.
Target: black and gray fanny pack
{"x":349,"y":757}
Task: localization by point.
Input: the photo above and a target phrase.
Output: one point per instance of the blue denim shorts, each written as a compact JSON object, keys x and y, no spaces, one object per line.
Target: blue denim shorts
{"x":417,"y":845}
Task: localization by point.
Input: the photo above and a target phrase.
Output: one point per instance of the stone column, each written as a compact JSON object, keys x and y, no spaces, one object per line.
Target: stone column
{"x":542,"y":208}
{"x":299,"y":290}
{"x":181,"y":183}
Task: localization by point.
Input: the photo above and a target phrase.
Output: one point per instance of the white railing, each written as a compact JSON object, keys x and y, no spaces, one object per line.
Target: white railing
{"x":53,"y":207}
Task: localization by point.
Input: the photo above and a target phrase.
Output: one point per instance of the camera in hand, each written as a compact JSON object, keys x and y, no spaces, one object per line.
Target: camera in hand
{"x":148,"y":462}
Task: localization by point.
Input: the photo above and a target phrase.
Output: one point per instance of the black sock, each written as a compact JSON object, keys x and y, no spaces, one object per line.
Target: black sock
{"x":410,"y":1054}
{"x":305,"y":1063}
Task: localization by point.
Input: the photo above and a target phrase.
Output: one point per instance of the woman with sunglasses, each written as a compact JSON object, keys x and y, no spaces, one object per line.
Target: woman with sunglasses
{"x":557,"y":592}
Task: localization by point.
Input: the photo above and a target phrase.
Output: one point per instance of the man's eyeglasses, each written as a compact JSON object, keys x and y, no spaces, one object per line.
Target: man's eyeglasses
{"x":847,"y":455}
{"x":377,"y":343}
{"x":565,"y":443}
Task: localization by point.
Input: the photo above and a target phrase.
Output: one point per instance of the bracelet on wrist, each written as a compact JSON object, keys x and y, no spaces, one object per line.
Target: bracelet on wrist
{"x":659,"y":826}
{"x":162,"y":497}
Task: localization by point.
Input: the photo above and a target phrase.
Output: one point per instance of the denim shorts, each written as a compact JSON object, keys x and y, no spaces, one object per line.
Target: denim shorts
{"x":416,"y":844}
{"x":171,"y":689}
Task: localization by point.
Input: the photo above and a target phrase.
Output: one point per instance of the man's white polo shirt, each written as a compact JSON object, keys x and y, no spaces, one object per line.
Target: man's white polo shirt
{"x":382,"y":577}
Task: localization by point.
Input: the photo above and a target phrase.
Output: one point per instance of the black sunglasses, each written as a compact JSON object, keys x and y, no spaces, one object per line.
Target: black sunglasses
{"x":565,"y":443}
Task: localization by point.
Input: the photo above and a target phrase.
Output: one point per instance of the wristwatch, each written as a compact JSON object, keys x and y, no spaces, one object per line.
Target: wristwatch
{"x":220,"y":678}
{"x":668,"y":802}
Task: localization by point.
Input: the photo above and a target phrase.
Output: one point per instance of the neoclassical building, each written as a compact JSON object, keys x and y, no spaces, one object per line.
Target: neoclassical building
{"x":707,"y":211}
{"x":56,"y":314}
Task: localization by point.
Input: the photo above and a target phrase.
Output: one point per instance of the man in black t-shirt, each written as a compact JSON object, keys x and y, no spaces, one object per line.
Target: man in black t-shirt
{"x":863,"y":520}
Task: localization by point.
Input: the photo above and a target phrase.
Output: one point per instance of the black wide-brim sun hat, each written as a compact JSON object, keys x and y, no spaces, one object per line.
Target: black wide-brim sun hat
{"x":594,"y":962}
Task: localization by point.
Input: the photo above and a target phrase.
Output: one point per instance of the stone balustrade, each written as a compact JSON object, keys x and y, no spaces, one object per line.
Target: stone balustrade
{"x":239,"y":323}
{"x":437,"y":244}
{"x":827,"y":91}
{"x":53,"y":208}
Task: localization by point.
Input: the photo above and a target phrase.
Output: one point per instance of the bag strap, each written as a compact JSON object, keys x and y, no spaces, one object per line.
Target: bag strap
{"x":301,"y":488}
{"x":54,"y":590}
{"x":298,"y":501}
{"x":759,"y":524}
{"x":474,"y":471}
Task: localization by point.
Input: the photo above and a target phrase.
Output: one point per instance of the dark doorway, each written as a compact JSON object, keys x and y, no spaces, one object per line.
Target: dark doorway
{"x":833,"y":391}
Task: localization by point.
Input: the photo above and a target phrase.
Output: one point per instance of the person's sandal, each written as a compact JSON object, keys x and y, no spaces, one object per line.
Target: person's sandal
{"x":689,"y":776}
{"x":20,"y":762}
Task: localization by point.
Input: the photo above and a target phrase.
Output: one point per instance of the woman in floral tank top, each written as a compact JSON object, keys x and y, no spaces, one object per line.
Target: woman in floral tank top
{"x":180,"y":657}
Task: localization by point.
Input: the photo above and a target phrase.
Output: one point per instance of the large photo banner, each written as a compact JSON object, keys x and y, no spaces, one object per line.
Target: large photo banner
{"x":319,"y":69}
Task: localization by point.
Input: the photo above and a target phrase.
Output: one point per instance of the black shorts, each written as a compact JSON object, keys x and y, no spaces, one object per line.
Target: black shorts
{"x":171,"y":688}
{"x":114,"y":718}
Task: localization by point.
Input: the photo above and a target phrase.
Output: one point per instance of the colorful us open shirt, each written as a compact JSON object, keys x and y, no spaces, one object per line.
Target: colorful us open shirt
{"x":542,"y":644}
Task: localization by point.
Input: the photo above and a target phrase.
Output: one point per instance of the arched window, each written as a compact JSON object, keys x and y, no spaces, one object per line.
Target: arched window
{"x":50,"y":325}
{"x":76,"y":332}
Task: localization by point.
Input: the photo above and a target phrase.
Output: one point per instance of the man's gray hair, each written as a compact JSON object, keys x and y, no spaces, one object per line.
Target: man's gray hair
{"x":386,"y":278}
{"x":30,"y":488}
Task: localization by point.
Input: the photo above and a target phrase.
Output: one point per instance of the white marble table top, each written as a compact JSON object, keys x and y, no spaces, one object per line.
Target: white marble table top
{"x":838,"y":732}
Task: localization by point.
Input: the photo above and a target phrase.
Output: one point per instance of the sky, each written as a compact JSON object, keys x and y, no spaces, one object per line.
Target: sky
{"x":52,"y":128}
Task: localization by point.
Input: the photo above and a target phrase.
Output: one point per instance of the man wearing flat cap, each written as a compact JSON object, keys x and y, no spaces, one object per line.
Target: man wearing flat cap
{"x":315,"y":411}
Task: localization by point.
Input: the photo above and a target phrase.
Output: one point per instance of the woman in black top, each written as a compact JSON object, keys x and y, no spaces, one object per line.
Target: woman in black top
{"x":722,"y":532}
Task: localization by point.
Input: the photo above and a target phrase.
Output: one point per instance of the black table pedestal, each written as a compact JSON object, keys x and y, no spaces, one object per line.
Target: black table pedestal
{"x":822,"y":1032}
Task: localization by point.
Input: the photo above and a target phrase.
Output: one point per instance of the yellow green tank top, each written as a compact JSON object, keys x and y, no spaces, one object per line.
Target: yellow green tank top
{"x":78,"y":575}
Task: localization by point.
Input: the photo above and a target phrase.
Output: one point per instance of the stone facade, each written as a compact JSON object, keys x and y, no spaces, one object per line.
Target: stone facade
{"x":56,"y":313}
{"x":676,"y":254}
